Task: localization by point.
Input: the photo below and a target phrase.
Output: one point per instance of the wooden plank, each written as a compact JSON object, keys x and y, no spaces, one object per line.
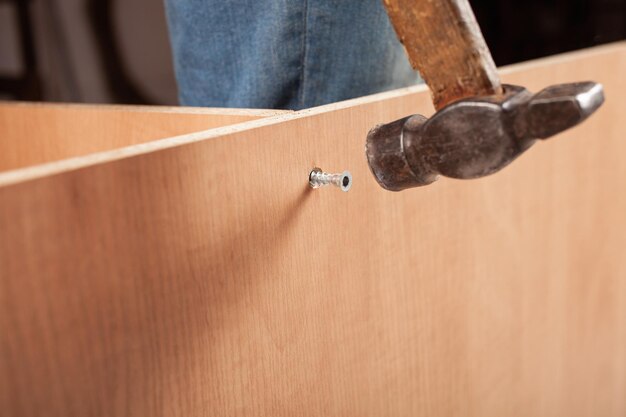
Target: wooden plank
{"x":200,"y":276}
{"x":34,"y":133}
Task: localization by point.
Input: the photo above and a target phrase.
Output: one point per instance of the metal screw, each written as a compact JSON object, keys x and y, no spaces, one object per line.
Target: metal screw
{"x":319,"y":178}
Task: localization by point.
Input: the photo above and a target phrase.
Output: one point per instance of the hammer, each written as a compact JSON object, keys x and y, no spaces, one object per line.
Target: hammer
{"x":480,"y":125}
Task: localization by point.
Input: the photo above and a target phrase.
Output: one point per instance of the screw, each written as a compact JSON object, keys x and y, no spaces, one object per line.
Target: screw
{"x":319,"y":178}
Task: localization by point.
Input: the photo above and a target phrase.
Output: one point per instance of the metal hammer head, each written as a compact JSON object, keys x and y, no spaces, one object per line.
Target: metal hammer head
{"x":476,"y":136}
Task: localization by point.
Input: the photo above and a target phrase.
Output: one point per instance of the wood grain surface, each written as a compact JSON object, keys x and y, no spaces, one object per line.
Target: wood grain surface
{"x":444,"y":43}
{"x":200,"y":276}
{"x":34,"y":133}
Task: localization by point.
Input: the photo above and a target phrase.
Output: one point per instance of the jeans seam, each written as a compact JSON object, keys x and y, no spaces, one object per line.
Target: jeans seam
{"x":305,"y":16}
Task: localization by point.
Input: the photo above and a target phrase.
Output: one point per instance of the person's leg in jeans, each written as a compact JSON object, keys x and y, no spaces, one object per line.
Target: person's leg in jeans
{"x":286,"y":54}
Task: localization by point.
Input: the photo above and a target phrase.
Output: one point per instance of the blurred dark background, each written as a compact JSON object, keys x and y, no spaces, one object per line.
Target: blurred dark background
{"x":117,"y":51}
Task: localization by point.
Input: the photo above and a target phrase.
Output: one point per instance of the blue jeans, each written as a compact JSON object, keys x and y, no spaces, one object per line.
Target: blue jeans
{"x":284,"y":54}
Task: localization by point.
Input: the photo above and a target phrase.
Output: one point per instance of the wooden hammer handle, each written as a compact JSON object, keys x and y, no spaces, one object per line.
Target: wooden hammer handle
{"x":444,"y":43}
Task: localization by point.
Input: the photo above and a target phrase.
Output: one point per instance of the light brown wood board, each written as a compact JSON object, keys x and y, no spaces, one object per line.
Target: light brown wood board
{"x":199,"y":276}
{"x":34,"y":133}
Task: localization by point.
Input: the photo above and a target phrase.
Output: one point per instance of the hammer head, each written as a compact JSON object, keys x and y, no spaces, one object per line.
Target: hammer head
{"x":477,"y":136}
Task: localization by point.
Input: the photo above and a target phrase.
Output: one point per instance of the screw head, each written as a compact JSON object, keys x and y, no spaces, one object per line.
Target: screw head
{"x":346,"y":181}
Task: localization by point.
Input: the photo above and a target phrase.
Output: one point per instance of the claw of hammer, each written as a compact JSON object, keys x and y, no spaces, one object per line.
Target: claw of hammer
{"x":476,"y":136}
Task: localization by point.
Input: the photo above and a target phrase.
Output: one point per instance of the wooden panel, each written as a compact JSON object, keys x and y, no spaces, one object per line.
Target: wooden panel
{"x":202,"y":277}
{"x":34,"y":133}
